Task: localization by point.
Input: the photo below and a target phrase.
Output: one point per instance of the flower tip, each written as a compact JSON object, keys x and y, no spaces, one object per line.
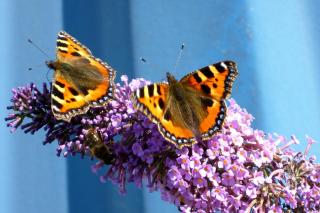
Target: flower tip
{"x":310,"y":140}
{"x":103,"y":179}
{"x":232,"y":102}
{"x":124,"y":78}
{"x":94,"y":169}
{"x":294,"y":139}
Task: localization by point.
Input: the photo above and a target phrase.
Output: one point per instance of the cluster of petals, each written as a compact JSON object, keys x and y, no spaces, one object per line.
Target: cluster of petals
{"x":240,"y":169}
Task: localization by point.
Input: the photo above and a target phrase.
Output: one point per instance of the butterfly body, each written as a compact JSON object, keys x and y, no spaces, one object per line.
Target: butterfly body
{"x":183,"y":104}
{"x":191,"y":109}
{"x":80,"y":81}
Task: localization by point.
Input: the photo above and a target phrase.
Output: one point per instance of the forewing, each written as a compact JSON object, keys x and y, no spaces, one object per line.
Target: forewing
{"x":66,"y":101}
{"x":152,"y":101}
{"x":68,"y":47}
{"x":214,"y":80}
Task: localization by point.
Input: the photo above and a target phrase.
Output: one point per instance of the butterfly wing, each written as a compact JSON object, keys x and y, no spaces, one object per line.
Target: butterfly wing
{"x":68,"y":46}
{"x":216,"y":113}
{"x":152,"y":101}
{"x":80,"y":79}
{"x":214,"y":80}
{"x":212,"y":85}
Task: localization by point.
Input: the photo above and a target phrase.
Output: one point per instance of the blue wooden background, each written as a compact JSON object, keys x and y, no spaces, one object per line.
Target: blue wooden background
{"x":275,"y":43}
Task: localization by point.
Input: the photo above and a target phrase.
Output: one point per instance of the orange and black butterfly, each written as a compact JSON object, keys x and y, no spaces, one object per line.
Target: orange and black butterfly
{"x":191,"y":109}
{"x":80,"y":80}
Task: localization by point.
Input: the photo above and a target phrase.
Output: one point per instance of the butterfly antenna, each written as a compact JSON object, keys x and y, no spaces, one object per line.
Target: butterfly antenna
{"x":153,"y":66}
{"x":143,"y":60}
{"x":178,"y":58}
{"x":47,"y":75}
{"x":32,"y":68}
{"x":36,"y":46}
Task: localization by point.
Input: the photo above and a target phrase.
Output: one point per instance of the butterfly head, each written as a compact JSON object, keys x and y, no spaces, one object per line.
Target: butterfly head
{"x":52,"y":64}
{"x":171,"y":79}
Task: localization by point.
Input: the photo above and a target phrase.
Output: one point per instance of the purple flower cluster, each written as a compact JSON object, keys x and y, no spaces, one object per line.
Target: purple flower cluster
{"x":239,"y":170}
{"x":29,"y":102}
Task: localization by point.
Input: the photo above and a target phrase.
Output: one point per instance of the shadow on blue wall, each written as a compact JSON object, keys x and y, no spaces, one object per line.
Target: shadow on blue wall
{"x":104,"y":28}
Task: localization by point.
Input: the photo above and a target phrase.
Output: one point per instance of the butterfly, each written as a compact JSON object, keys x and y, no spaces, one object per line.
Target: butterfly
{"x":192,"y":109}
{"x":80,"y":80}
